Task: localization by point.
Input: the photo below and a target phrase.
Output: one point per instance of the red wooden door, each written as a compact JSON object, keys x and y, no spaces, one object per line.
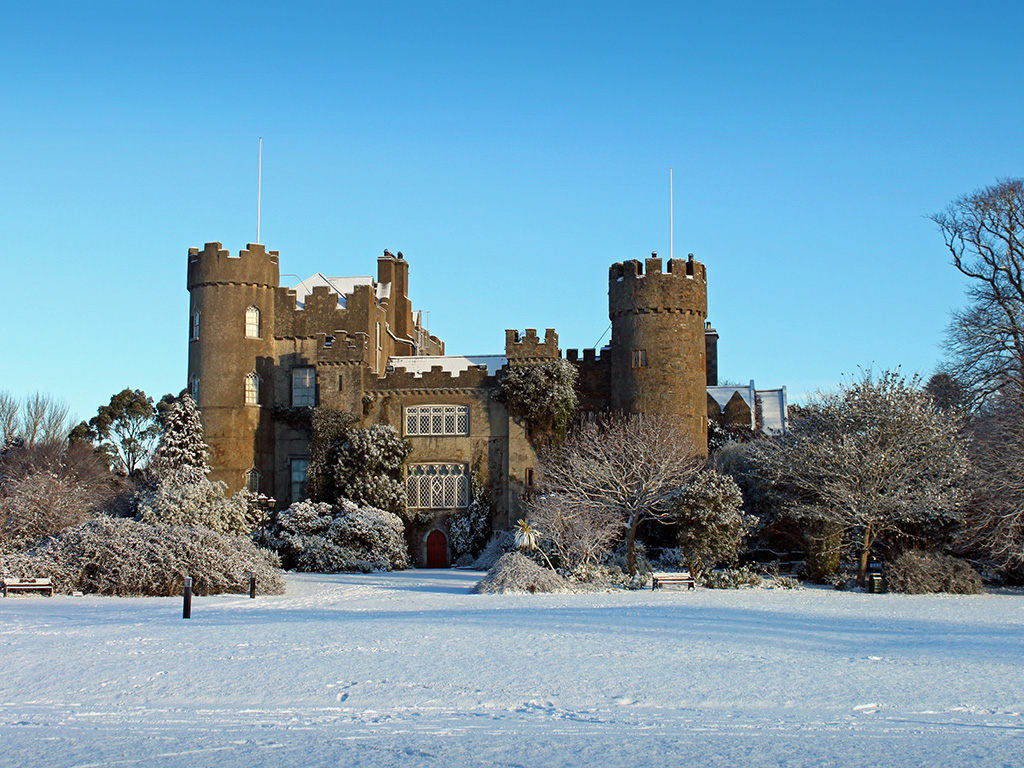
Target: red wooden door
{"x":437,"y":550}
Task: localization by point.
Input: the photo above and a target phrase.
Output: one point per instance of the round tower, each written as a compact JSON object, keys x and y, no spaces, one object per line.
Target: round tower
{"x":230,"y":359}
{"x":657,"y":346}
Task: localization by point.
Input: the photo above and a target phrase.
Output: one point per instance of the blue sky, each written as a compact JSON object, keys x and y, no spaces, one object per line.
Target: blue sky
{"x":512,"y":152}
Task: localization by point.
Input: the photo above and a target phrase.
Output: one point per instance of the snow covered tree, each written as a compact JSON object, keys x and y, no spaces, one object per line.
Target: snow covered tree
{"x":543,"y":396}
{"x":876,"y":458}
{"x":711,"y":521}
{"x":632,"y":466}
{"x":182,"y":443}
{"x":367,"y":465}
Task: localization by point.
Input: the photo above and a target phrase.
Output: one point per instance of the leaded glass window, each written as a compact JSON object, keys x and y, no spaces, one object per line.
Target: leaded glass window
{"x":437,"y":486}
{"x":437,"y":420}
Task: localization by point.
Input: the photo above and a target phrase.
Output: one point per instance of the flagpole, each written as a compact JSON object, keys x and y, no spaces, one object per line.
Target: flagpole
{"x":259,"y":190}
{"x":671,"y":223}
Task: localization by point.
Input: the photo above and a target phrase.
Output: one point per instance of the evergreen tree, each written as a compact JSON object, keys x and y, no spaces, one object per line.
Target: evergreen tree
{"x":182,"y":443}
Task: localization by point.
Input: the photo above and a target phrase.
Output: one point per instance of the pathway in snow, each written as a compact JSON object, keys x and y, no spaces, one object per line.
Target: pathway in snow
{"x":411,"y":669}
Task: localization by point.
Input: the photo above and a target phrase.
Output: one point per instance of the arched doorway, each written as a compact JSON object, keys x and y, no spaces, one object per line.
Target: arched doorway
{"x":437,"y":549}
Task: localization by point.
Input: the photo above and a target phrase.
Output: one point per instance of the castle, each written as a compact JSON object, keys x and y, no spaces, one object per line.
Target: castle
{"x":355,"y":344}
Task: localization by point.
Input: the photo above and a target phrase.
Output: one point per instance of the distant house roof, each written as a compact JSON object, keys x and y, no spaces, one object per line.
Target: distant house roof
{"x":338,"y":285}
{"x":454,"y":364}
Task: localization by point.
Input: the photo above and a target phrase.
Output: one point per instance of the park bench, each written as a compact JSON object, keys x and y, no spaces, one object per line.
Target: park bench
{"x":27,"y":585}
{"x":663,"y":579}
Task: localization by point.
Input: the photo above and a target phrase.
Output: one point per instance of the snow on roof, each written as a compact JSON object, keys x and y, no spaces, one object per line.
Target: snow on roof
{"x":454,"y":364}
{"x":338,"y":285}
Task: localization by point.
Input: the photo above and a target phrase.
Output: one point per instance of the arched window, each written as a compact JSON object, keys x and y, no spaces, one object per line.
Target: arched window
{"x":194,"y":333}
{"x":252,"y":480}
{"x":252,"y":389}
{"x":193,"y":388}
{"x":252,"y":322}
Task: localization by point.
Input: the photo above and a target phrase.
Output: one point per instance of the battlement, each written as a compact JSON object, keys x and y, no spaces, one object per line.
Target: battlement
{"x":529,"y":347}
{"x":651,"y":287}
{"x":652,"y":268}
{"x":214,"y":265}
{"x":340,"y":347}
{"x":438,"y":377}
{"x":589,"y":355}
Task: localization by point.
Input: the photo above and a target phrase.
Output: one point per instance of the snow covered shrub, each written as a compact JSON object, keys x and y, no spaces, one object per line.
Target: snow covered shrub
{"x":711,"y":522}
{"x":185,"y":496}
{"x":731,"y":578}
{"x":117,"y":556}
{"x":318,"y":537}
{"x":916,"y":572}
{"x":543,"y":396}
{"x":515,"y":572}
{"x":785,"y":582}
{"x":471,"y":528}
{"x":500,"y":543}
{"x":182,"y":443}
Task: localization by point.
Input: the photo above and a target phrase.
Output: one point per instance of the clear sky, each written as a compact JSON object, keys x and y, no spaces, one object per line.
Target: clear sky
{"x":512,"y":152}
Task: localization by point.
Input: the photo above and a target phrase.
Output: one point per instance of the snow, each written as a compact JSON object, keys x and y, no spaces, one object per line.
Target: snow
{"x":453,"y":364}
{"x":342,"y":286}
{"x":410,"y":669}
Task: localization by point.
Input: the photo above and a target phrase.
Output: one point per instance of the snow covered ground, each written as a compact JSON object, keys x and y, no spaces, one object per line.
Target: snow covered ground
{"x":409,"y":669}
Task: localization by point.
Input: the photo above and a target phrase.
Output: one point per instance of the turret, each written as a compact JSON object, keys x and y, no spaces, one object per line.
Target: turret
{"x":230,"y":358}
{"x":658,"y":353}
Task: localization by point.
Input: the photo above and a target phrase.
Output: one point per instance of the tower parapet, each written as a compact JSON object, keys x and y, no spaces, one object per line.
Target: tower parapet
{"x":527,"y":349}
{"x":658,"y":353}
{"x":216,"y":266}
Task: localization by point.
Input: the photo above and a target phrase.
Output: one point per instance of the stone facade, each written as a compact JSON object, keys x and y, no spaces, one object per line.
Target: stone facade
{"x":259,"y":352}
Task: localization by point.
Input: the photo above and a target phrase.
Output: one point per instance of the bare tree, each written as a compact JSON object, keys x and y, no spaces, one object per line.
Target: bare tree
{"x":40,"y":418}
{"x":876,"y":458}
{"x":630,"y":466}
{"x":984,"y":232}
{"x":994,"y":525}
{"x":8,"y":418}
{"x":579,"y":533}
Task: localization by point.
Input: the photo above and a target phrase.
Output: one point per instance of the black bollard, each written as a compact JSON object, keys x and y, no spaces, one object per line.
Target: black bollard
{"x":186,"y":609}
{"x":252,"y":587}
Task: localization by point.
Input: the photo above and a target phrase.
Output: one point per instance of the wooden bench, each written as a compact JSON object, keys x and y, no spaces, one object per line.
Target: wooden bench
{"x":28,"y":585}
{"x":662,"y":579}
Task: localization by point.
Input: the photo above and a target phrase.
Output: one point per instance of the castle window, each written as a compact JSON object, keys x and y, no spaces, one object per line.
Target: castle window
{"x":252,"y":480}
{"x":194,"y":332}
{"x":437,"y":486}
{"x":341,"y":382}
{"x":303,"y":387}
{"x":437,"y":420}
{"x":252,"y":323}
{"x":193,"y":388}
{"x":299,"y":487}
{"x":252,"y":389}
{"x":639,"y":358}
{"x":528,"y":480}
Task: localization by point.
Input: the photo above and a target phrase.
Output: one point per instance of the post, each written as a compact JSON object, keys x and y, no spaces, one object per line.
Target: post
{"x":186,"y":609}
{"x":252,"y":587}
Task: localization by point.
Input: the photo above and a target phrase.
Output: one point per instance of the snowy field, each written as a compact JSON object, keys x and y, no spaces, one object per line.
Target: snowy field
{"x":409,"y":669}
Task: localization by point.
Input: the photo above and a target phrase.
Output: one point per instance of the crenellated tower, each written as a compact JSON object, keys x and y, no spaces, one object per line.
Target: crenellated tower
{"x":231,"y":356}
{"x":658,"y":356}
